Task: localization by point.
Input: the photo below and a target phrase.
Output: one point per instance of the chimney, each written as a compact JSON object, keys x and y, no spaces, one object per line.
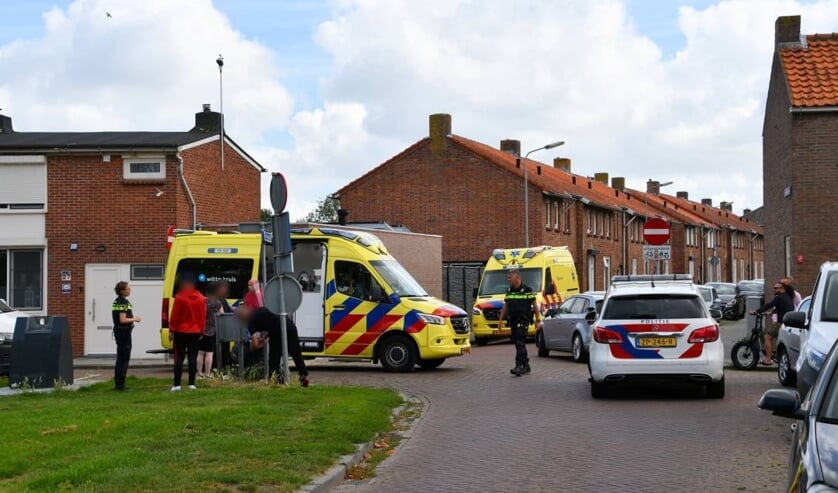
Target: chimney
{"x":342,"y":215}
{"x":439,"y":129}
{"x":618,"y":182}
{"x":723,"y":205}
{"x":787,"y":32}
{"x":562,"y":163}
{"x":683,"y":195}
{"x":207,"y":120}
{"x":601,"y":177}
{"x":707,"y":202}
{"x":511,"y":146}
{"x":6,"y":124}
{"x":746,"y":212}
{"x":653,"y":186}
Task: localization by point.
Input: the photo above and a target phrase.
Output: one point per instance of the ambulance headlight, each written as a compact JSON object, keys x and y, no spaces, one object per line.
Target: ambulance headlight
{"x":431,"y":319}
{"x":476,"y":311}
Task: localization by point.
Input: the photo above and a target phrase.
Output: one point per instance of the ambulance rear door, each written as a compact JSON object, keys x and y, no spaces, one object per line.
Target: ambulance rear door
{"x":309,"y":270}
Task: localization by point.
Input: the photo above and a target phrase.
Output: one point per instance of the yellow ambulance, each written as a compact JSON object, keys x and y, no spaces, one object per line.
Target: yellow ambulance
{"x":358,"y":302}
{"x":548,"y":270}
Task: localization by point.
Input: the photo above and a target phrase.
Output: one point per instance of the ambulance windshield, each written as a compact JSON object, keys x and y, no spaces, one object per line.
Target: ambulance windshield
{"x":400,"y":281}
{"x":494,"y":281}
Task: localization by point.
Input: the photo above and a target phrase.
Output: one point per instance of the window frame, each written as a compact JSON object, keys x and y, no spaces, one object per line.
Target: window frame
{"x":133,"y":176}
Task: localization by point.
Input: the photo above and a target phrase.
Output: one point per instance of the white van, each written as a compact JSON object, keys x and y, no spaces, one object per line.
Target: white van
{"x":821,"y":324}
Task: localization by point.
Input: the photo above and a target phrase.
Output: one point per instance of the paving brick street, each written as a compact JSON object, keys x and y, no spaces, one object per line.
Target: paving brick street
{"x":485,"y":430}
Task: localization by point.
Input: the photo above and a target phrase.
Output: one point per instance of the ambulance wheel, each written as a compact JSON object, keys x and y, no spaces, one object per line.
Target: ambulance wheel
{"x":430,"y":364}
{"x":398,"y":353}
{"x":481,"y":341}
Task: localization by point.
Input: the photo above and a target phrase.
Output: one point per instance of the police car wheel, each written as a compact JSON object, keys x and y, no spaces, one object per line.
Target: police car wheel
{"x":599,"y":390}
{"x":398,"y":354}
{"x":481,"y":341}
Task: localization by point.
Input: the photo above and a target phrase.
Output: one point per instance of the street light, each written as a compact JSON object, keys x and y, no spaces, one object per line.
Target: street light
{"x":526,"y":187}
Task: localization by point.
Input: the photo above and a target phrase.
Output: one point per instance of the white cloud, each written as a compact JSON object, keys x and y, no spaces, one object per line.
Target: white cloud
{"x":148,"y":67}
{"x":541,"y":71}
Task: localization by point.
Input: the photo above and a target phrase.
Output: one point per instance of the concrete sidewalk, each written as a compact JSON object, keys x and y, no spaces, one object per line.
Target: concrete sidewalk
{"x":105,"y":362}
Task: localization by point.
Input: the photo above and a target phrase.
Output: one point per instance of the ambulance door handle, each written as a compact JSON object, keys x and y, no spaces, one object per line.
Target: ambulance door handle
{"x":339,"y":307}
{"x":94,"y":309}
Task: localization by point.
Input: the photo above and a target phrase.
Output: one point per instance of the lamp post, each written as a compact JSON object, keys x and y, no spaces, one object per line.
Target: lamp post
{"x":220,"y":62}
{"x":526,"y":187}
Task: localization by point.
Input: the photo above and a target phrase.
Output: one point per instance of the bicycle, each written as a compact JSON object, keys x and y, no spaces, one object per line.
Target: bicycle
{"x":747,"y":353}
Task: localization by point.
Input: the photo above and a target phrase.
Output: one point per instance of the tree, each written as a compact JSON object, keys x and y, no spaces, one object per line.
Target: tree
{"x":326,"y":211}
{"x":266,"y":215}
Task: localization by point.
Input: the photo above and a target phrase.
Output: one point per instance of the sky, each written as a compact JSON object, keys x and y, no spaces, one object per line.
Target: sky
{"x":324,"y":91}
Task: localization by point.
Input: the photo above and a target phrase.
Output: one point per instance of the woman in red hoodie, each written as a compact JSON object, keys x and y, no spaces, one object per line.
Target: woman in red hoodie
{"x":186,"y":325}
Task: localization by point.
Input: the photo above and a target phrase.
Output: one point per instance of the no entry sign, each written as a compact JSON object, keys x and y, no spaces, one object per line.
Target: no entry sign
{"x":656,"y":231}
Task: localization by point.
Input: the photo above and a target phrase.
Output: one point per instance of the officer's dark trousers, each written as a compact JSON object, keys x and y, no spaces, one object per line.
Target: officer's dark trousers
{"x":122,"y":336}
{"x":519,"y":337}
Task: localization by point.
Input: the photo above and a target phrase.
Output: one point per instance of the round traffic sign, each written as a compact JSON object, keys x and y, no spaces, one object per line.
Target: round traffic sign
{"x":278,"y":192}
{"x":292,"y":290}
{"x":656,"y":231}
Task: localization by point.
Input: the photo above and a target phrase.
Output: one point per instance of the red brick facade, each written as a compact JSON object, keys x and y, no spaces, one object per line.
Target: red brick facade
{"x":472,"y":195}
{"x":800,"y":152}
{"x":113,"y":221}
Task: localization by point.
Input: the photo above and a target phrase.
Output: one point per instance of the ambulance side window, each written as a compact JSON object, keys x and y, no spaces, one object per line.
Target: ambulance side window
{"x":354,"y":279}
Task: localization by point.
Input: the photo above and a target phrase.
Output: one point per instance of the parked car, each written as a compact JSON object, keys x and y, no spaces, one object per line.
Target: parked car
{"x":751,"y":288}
{"x":570,"y":329}
{"x":656,"y":329}
{"x":813,"y":461}
{"x":712,"y":300}
{"x":733,"y":303}
{"x":788,"y":349}
{"x":8,"y":319}
{"x":821,"y":324}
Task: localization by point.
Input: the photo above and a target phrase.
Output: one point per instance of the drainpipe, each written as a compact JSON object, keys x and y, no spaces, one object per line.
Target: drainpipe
{"x":188,"y":191}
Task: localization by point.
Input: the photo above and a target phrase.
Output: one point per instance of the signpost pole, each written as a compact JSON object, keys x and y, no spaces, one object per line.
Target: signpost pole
{"x":281,"y":243}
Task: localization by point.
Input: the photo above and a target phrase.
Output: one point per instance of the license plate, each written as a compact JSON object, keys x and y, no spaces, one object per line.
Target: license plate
{"x":656,"y":342}
{"x":503,"y":332}
{"x":465,"y":350}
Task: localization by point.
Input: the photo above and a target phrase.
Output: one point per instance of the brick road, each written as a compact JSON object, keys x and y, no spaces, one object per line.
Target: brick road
{"x":485,"y":430}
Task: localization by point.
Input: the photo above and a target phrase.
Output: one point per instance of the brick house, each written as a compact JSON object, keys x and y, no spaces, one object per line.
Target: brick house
{"x":80,"y":211}
{"x":471,"y":194}
{"x":799,"y":154}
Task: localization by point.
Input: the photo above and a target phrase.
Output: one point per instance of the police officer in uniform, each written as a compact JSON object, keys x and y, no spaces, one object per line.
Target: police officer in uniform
{"x":123,"y":324}
{"x":519,"y":307}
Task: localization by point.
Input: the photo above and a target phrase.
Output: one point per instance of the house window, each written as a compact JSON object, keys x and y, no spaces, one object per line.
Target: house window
{"x":22,"y":278}
{"x":608,"y":225}
{"x":147,"y":272}
{"x":144,"y":168}
{"x":787,"y":254}
{"x":23,"y":183}
{"x":591,"y":222}
{"x":547,"y":208}
{"x":558,"y":226}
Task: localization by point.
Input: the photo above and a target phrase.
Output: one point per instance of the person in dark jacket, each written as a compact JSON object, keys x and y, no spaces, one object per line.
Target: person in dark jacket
{"x":782,"y":303}
{"x":265,"y":325}
{"x":123,"y":324}
{"x":186,"y":326}
{"x":519,"y":306}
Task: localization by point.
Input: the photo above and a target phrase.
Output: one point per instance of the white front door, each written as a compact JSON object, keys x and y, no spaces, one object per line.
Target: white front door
{"x":100,"y":280}
{"x":146,"y":298}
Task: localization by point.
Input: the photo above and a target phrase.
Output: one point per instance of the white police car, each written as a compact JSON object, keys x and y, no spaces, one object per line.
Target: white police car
{"x":656,"y":328}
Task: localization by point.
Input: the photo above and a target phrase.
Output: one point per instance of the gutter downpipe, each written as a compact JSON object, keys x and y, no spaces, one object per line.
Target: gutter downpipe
{"x":188,"y":191}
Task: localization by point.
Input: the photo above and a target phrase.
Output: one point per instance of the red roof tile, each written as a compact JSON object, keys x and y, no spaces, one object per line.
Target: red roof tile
{"x":812,"y":71}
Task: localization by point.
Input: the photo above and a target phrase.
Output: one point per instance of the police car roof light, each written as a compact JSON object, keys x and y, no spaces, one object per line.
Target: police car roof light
{"x":652,"y":278}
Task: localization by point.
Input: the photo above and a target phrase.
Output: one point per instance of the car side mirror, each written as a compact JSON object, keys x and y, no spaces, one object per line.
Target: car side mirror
{"x":590,"y":316}
{"x":782,"y":402}
{"x":795,"y":319}
{"x":474,"y":293}
{"x":377,"y":295}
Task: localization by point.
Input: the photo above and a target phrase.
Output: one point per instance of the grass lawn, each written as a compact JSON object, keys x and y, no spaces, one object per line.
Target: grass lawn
{"x":223,"y":437}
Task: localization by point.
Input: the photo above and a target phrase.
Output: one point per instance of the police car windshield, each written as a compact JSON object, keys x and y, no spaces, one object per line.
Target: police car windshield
{"x":400,"y":281}
{"x":655,"y":306}
{"x":494,"y":281}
